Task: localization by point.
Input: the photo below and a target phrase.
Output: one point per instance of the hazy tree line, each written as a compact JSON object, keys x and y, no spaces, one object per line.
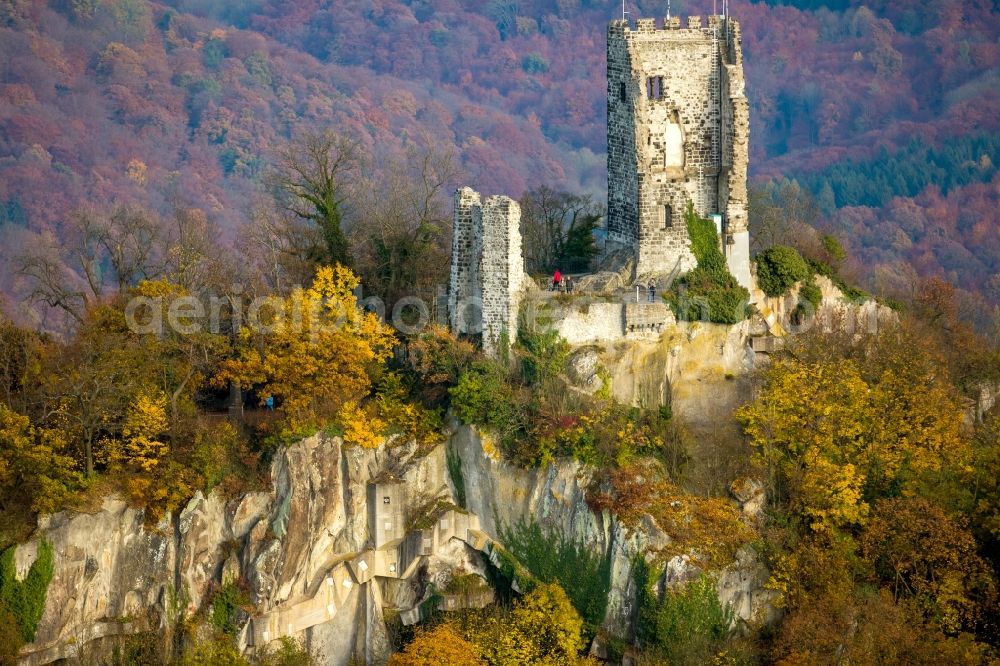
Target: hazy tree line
{"x":906,"y":172}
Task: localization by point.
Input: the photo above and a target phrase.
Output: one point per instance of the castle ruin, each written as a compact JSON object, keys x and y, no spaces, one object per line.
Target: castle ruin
{"x":487,"y":269}
{"x":678,"y":135}
{"x":678,"y":126}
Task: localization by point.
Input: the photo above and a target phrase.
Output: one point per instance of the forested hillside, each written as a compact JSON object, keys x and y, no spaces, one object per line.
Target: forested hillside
{"x":885,"y":112}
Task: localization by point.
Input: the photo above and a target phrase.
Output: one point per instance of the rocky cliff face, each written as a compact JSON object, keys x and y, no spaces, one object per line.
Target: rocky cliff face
{"x":116,"y":576}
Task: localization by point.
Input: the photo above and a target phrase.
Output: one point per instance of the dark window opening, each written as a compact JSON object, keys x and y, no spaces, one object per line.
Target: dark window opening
{"x":385,"y":500}
{"x":654,"y":87}
{"x":623,"y":92}
{"x":666,"y":217}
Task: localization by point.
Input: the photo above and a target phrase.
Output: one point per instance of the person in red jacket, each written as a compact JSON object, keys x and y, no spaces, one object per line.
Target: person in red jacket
{"x":556,"y":280}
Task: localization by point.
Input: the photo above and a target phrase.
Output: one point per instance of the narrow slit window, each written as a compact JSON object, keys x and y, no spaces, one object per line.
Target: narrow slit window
{"x":622,"y":91}
{"x":654,"y":87}
{"x":666,"y":217}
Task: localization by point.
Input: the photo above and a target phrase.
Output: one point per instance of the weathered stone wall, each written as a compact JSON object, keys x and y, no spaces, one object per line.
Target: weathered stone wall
{"x":502,"y":269}
{"x":464,"y":291}
{"x":487,"y":268}
{"x":678,"y":129}
{"x":582,"y":323}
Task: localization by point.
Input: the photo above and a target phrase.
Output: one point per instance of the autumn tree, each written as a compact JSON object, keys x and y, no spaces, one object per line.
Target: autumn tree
{"x":868,"y":628}
{"x":438,"y":358}
{"x":808,"y":427}
{"x":316,"y":351}
{"x":22,"y":353}
{"x":92,"y":379}
{"x":923,"y":554}
{"x":542,"y":628}
{"x":280,"y":247}
{"x":844,"y":421}
{"x":780,"y":212}
{"x":984,"y":481}
{"x":974,"y":361}
{"x":36,"y":473}
{"x":195,"y":259}
{"x":174,"y":329}
{"x":440,"y":646}
{"x":102,"y":253}
{"x":143,"y":431}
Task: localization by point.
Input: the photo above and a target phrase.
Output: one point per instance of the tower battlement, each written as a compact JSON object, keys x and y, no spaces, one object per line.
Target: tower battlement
{"x":678,"y":126}
{"x":647,"y":26}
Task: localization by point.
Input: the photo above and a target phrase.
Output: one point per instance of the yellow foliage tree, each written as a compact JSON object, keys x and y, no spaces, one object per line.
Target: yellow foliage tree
{"x":543,"y":628}
{"x":830,"y":432}
{"x":809,"y":426}
{"x":35,"y":473}
{"x":362,"y":427}
{"x":441,"y":646}
{"x":184,"y":351}
{"x":316,"y":352}
{"x":145,"y":425}
{"x":924,"y":554}
{"x":136,"y":171}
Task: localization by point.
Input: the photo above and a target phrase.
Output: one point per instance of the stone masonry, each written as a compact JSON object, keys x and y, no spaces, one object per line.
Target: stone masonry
{"x":487,"y":269}
{"x":678,"y":127}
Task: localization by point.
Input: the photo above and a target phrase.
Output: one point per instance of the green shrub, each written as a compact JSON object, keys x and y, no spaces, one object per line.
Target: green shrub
{"x":709,"y":292}
{"x":778,"y":268}
{"x":25,"y":599}
{"x":226,"y":604}
{"x":484,"y":396}
{"x":810,"y":292}
{"x":144,"y":648}
{"x":710,"y":296}
{"x":584,"y":575}
{"x":217,"y":651}
{"x":688,"y":626}
{"x":546,"y":356}
{"x":851,"y":293}
{"x":286,"y":652}
{"x":834,"y":250}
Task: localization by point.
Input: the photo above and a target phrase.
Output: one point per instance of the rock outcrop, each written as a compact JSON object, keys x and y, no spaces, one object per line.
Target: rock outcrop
{"x":298,"y":547}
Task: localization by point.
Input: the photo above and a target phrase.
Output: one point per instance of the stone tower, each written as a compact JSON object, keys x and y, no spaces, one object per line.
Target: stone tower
{"x":678,"y":126}
{"x":487,"y":270}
